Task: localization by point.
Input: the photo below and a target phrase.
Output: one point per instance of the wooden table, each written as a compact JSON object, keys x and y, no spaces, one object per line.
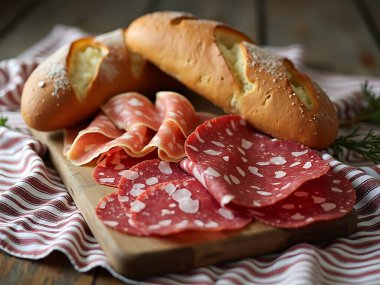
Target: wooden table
{"x":339,"y":36}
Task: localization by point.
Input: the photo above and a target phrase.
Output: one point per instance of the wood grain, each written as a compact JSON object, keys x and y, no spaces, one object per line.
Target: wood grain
{"x":11,"y":11}
{"x":241,"y":14}
{"x":91,"y":16}
{"x":54,"y":269}
{"x":369,"y":10}
{"x":142,"y":256}
{"x":333,"y":33}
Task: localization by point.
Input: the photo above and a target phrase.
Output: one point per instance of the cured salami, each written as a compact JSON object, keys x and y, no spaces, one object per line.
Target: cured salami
{"x":171,"y":207}
{"x":150,"y":172}
{"x":115,"y":209}
{"x":114,"y":216}
{"x":241,"y":166}
{"x":116,"y":160}
{"x":325,"y":198}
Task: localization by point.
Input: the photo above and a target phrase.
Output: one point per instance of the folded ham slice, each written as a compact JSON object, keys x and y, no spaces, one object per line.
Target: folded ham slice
{"x":132,"y":122}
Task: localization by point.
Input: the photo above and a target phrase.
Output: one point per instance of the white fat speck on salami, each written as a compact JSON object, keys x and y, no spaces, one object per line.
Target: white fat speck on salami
{"x":112,"y":163}
{"x":195,"y":209}
{"x":150,"y":172}
{"x":111,"y":213}
{"x":276,"y":167}
{"x":319,"y":203}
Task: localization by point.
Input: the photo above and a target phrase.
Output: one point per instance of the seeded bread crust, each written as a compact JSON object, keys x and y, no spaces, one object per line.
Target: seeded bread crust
{"x":49,"y":101}
{"x":227,"y":68}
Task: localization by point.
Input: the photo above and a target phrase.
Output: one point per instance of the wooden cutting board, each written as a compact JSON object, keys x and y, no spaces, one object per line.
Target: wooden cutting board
{"x":139,"y":257}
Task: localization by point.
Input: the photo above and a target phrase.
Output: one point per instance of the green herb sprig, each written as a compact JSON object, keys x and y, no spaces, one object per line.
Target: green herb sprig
{"x":3,"y":121}
{"x":371,"y":112}
{"x":368,"y":146}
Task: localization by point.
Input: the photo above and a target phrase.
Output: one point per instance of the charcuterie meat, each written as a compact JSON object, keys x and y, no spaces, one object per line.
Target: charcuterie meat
{"x":115,"y":209}
{"x":110,"y":212}
{"x":171,"y":207}
{"x":132,"y":122}
{"x":325,"y":198}
{"x":79,"y":139}
{"x":97,"y":139}
{"x":150,"y":172}
{"x":111,"y":163}
{"x":130,"y":109}
{"x":241,"y":166}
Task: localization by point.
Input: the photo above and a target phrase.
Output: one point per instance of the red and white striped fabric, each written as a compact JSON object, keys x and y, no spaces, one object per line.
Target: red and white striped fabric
{"x":37,"y":215}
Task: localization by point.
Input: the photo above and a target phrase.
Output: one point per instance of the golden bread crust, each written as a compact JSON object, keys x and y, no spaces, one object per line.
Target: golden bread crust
{"x":227,"y":68}
{"x":49,"y":101}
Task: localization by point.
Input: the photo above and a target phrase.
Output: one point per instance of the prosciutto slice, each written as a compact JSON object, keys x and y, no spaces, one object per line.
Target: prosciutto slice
{"x":130,"y":121}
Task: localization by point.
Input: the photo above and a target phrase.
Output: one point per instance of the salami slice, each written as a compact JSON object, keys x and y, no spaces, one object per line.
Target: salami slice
{"x":116,"y":160}
{"x":177,"y":206}
{"x":110,"y":212}
{"x":147,"y":173}
{"x":244,"y":167}
{"x":325,"y":198}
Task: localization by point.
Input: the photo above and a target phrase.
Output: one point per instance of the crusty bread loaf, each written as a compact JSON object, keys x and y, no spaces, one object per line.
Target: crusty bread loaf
{"x":72,"y":83}
{"x":224,"y":66}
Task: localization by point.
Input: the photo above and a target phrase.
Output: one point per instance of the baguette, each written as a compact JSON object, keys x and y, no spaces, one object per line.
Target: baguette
{"x":227,"y":68}
{"x":72,"y":83}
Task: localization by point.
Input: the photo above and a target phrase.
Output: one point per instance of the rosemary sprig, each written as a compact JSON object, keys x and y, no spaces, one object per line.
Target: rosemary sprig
{"x":3,"y":121}
{"x":371,"y":112}
{"x":367,"y":147}
{"x":373,"y":101}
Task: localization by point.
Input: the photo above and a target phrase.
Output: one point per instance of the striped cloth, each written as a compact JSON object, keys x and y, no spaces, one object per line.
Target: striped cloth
{"x":37,"y":215}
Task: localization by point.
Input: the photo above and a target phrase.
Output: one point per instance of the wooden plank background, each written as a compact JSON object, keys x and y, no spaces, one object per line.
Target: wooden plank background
{"x":339,"y":36}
